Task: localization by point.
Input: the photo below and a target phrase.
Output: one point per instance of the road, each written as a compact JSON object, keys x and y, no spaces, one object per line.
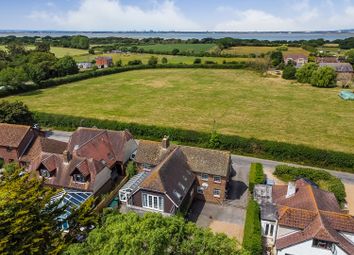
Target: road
{"x":271,"y":164}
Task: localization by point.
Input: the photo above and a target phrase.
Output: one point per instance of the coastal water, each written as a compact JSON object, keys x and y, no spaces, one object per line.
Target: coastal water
{"x":271,"y":36}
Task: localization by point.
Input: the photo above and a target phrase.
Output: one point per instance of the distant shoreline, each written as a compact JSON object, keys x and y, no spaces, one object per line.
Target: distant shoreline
{"x":261,"y":35}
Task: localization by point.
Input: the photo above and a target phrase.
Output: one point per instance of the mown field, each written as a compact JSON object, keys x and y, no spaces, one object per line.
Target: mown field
{"x":145,"y":58}
{"x":58,"y":51}
{"x":246,"y":50}
{"x":241,"y":102}
{"x":183,"y":47}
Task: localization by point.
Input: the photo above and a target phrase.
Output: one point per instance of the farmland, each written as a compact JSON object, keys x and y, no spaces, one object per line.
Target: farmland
{"x":58,"y":51}
{"x":246,"y":50}
{"x":126,"y":57}
{"x":183,"y":47}
{"x":241,"y":102}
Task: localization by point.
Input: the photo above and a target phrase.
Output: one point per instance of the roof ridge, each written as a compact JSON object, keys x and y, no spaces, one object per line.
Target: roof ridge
{"x":101,"y":132}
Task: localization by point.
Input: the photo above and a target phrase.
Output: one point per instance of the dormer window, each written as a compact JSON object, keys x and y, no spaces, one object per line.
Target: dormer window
{"x":79,"y":178}
{"x":44,"y":173}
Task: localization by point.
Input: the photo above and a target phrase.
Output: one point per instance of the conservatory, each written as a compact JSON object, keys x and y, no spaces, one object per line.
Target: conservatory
{"x":131,"y":185}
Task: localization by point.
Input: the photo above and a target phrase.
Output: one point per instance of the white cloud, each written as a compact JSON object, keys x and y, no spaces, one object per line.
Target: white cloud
{"x":113,"y":15}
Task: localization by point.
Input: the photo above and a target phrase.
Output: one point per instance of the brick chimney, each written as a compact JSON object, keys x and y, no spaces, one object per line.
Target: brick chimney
{"x":291,"y":189}
{"x":165,"y":142}
{"x":66,"y":156}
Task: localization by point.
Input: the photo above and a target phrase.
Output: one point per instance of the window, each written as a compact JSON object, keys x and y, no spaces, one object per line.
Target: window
{"x":181,"y":186}
{"x":205,"y":177}
{"x":216,"y":192}
{"x":153,"y":202}
{"x":8,"y":149}
{"x":177,"y":194}
{"x":44,"y":173}
{"x":79,"y":178}
{"x":147,"y":167}
{"x":269,"y":230}
{"x":200,"y":190}
{"x":322,"y":244}
{"x":217,"y":179}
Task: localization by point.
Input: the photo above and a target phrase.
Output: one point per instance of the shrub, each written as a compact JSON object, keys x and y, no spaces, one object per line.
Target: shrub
{"x":249,"y":146}
{"x":164,"y":60}
{"x":276,"y":58}
{"x":135,"y":62}
{"x":15,"y":113}
{"x":322,"y":178}
{"x":209,"y":62}
{"x":197,"y":61}
{"x":153,"y":61}
{"x":1,"y":163}
{"x":252,"y":238}
{"x":131,"y":169}
{"x":175,"y":51}
{"x":289,"y":72}
{"x":256,"y":175}
{"x":324,"y":77}
{"x":304,"y":73}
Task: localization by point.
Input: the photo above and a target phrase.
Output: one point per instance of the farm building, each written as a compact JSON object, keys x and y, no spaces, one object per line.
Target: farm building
{"x":344,"y":71}
{"x":298,"y":59}
{"x":84,"y":65}
{"x":104,"y":62}
{"x":327,"y":60}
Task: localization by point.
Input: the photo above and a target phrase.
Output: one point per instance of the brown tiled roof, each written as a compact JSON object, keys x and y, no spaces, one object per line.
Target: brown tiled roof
{"x":294,"y":56}
{"x":315,"y":213}
{"x":12,"y":135}
{"x":327,"y":60}
{"x":170,"y":176}
{"x":339,"y":67}
{"x":199,"y":160}
{"x":42,"y":144}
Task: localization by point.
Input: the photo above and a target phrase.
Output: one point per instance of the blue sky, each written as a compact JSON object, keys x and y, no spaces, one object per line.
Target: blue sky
{"x":187,"y":15}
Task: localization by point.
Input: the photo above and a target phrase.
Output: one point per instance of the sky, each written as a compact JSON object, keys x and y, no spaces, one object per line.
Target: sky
{"x":177,"y":15}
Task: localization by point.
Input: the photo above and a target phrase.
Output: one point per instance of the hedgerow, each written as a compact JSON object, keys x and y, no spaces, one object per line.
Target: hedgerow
{"x":248,"y":146}
{"x":256,"y":175}
{"x":322,"y":178}
{"x":252,"y":238}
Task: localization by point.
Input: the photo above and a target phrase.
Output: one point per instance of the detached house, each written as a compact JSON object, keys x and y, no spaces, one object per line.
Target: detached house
{"x":104,"y":62}
{"x":302,"y":219}
{"x":344,"y":71}
{"x":180,"y":173}
{"x":14,"y":141}
{"x":298,"y":59}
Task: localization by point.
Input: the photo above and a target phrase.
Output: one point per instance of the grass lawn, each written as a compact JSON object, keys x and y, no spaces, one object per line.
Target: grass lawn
{"x":246,"y":50}
{"x":196,"y":48}
{"x":145,"y":57}
{"x":240,"y":101}
{"x":58,"y":51}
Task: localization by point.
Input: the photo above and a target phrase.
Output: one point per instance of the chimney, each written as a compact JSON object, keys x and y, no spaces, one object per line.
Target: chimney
{"x":165,"y":142}
{"x":66,"y":156}
{"x":291,"y":189}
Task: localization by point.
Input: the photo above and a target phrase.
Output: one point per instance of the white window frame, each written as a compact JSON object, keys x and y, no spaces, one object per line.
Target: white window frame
{"x":200,"y":190}
{"x":218,"y":177}
{"x":43,"y":170}
{"x":269,"y":230}
{"x":204,"y":177}
{"x":152,"y":202}
{"x":218,"y":191}
{"x":79,"y":180}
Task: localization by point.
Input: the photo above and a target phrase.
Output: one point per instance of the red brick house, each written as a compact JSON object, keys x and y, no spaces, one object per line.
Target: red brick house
{"x":104,"y":62}
{"x":211,"y":168}
{"x":14,"y":141}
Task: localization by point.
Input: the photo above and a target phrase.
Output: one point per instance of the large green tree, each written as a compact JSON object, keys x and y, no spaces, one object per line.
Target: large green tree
{"x":304,"y":73}
{"x":13,"y":76}
{"x":350,"y":56}
{"x":15,"y":113}
{"x":276,"y":58}
{"x":324,"y":77}
{"x":153,"y":234}
{"x":66,"y":66}
{"x":28,"y":222}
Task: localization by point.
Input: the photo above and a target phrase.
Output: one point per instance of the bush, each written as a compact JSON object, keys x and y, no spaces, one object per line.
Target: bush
{"x":256,"y":175}
{"x":248,"y":146}
{"x":1,"y":163}
{"x":252,"y":238}
{"x":324,"y":77}
{"x":322,"y":178}
{"x":164,"y":60}
{"x":289,"y":72}
{"x":304,"y":73}
{"x":153,"y":61}
{"x":197,"y":61}
{"x":135,"y":62}
{"x":15,"y":113}
{"x":209,"y":62}
{"x":276,"y":58}
{"x":131,"y":169}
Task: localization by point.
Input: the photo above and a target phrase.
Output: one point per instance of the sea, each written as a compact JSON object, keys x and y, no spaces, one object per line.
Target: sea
{"x":271,"y":36}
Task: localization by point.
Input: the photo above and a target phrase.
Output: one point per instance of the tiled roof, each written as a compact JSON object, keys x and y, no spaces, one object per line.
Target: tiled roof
{"x":42,"y":144}
{"x":339,"y":67}
{"x":199,"y":160}
{"x":315,"y":212}
{"x":172,"y":177}
{"x":12,"y":135}
{"x":295,"y":56}
{"x":327,"y":60}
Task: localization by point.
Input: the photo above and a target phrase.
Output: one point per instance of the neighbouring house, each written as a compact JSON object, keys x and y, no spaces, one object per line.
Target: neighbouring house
{"x":91,"y":161}
{"x":14,"y":141}
{"x":84,"y":65}
{"x":169,"y":188}
{"x":303,"y":219}
{"x":211,"y":168}
{"x":327,"y":60}
{"x":344,"y":71}
{"x":298,"y":59}
{"x":104,"y":62}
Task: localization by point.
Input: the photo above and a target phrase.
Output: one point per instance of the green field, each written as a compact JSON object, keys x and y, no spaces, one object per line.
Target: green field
{"x":125,"y":57}
{"x":58,"y":51}
{"x":241,"y":102}
{"x":246,"y":50}
{"x":183,"y":47}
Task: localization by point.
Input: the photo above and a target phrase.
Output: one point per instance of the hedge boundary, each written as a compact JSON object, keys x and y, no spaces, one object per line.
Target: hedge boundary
{"x":279,"y":151}
{"x":256,"y":176}
{"x":330,"y":182}
{"x":252,"y":238}
{"x":113,"y":70}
